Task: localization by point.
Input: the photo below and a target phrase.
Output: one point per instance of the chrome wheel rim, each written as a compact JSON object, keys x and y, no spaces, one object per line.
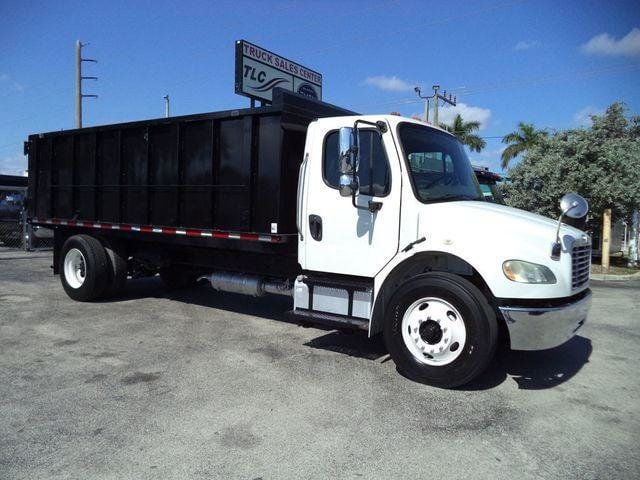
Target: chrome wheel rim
{"x":75,"y":268}
{"x":433,"y":331}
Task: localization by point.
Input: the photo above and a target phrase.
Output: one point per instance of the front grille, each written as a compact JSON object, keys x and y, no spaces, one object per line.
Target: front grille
{"x":580,"y":266}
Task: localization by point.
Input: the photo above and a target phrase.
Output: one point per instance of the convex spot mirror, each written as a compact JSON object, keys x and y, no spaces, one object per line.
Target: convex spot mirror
{"x":574,"y":205}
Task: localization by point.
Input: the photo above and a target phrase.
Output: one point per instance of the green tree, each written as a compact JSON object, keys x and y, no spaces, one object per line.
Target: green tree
{"x":465,"y":132}
{"x":520,"y":141}
{"x":601,"y":163}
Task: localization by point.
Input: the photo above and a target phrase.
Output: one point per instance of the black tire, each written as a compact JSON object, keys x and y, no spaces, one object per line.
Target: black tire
{"x":96,"y":268}
{"x":177,"y":278}
{"x":480,"y":325}
{"x":116,"y":254}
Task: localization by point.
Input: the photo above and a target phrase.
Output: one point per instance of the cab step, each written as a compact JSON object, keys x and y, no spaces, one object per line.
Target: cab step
{"x":329,"y":319}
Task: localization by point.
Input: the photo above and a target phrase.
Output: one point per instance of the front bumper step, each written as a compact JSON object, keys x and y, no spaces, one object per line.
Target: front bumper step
{"x":542,"y":328}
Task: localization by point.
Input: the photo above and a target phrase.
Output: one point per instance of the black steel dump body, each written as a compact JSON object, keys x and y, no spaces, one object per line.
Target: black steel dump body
{"x":212,"y":177}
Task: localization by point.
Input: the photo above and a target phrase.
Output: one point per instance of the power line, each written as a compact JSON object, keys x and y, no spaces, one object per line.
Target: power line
{"x":544,"y":79}
{"x":516,"y":83}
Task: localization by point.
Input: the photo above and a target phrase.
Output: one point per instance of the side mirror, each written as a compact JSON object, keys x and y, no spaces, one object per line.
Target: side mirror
{"x":573,"y":205}
{"x":348,"y":161}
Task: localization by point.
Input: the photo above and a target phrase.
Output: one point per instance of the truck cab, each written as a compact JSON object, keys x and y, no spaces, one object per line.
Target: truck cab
{"x":395,"y":236}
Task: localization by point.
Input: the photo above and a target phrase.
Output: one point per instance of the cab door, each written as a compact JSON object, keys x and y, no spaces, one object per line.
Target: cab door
{"x":340,"y":238}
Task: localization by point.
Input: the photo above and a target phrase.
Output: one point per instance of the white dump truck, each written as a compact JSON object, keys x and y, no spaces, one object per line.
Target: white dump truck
{"x":370,"y":222}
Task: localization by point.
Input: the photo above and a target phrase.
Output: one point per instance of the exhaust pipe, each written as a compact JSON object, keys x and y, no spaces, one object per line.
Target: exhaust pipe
{"x":248,"y":284}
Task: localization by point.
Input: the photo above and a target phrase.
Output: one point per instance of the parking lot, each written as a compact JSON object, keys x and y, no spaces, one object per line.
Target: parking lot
{"x":200,"y":384}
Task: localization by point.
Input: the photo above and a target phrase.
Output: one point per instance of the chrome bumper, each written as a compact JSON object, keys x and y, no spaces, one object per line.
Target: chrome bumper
{"x":542,"y":328}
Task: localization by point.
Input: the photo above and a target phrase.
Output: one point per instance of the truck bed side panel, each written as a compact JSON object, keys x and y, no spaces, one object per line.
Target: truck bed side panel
{"x":233,"y":171}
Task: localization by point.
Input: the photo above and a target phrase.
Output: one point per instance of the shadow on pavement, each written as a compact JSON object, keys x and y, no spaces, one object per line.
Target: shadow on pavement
{"x":535,"y":370}
{"x":273,"y":308}
{"x":354,"y":344}
{"x":530,"y":370}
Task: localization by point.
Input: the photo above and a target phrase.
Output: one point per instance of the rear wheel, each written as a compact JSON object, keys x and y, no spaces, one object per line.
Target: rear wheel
{"x":84,"y":268}
{"x":440,"y":330}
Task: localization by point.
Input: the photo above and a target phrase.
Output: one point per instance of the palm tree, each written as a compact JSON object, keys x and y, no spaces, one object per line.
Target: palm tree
{"x":464,"y":131}
{"x":525,"y":137}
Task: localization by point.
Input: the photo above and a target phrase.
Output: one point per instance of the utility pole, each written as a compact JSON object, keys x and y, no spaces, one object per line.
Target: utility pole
{"x":435,"y":105}
{"x":166,"y":105}
{"x":633,"y":240}
{"x":606,"y":239}
{"x":79,"y":78}
{"x":436,"y":97}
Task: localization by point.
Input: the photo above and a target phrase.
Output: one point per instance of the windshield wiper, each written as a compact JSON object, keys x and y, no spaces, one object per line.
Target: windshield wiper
{"x":455,"y":196}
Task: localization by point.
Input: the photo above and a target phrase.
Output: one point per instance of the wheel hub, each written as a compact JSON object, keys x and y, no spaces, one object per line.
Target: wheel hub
{"x":430,"y":332}
{"x":75,"y":268}
{"x":433,"y":331}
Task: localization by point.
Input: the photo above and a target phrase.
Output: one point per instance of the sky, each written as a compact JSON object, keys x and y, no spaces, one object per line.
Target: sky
{"x":550,"y":63}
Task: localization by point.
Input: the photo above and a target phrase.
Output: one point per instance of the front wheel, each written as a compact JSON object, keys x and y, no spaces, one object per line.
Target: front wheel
{"x":440,"y":330}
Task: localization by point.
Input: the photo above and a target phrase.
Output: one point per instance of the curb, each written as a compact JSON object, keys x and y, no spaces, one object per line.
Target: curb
{"x":605,"y":277}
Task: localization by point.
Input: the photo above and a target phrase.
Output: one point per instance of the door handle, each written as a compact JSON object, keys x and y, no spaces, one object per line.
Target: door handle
{"x":315,"y":227}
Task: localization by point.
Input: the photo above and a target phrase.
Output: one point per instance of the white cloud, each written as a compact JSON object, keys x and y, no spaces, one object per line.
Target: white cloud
{"x":469,"y":113}
{"x":582,"y":118}
{"x":524,"y":45}
{"x":7,"y":82}
{"x":13,"y":165}
{"x":605,"y":44}
{"x":393,"y":84}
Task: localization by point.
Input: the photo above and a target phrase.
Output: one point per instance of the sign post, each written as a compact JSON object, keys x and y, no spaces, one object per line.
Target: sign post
{"x":259,"y":71}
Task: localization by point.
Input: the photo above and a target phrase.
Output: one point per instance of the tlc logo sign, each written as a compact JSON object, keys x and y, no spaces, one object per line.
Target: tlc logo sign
{"x":259,"y":71}
{"x":252,"y":74}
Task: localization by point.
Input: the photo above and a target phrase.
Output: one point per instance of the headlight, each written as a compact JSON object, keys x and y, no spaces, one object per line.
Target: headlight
{"x":526,"y":272}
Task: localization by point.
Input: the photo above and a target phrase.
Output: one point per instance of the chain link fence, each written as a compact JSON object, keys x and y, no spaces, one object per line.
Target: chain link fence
{"x":16,"y":232}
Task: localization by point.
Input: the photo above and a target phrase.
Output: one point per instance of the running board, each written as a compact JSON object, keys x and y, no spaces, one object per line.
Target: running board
{"x":330,"y":319}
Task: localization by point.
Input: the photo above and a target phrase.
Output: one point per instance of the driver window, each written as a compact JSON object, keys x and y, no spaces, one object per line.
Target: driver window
{"x":373,"y":172}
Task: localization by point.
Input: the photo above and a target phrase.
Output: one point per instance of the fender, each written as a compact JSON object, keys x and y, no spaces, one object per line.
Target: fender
{"x":417,"y":264}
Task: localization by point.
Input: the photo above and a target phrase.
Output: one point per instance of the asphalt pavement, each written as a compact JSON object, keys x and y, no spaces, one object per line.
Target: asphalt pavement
{"x":204,"y":385}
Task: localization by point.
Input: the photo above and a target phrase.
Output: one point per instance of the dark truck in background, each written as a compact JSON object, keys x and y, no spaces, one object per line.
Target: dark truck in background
{"x":15,"y":230}
{"x":13,"y":189}
{"x":489,"y":181}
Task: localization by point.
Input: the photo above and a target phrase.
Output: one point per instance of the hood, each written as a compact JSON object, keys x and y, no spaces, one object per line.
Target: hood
{"x":494,"y":223}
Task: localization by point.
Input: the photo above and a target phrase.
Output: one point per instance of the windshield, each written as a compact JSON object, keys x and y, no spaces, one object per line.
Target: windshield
{"x":439,"y":167}
{"x":491,"y":192}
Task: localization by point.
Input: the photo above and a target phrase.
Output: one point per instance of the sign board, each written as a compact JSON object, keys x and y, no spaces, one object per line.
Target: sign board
{"x":259,"y":71}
